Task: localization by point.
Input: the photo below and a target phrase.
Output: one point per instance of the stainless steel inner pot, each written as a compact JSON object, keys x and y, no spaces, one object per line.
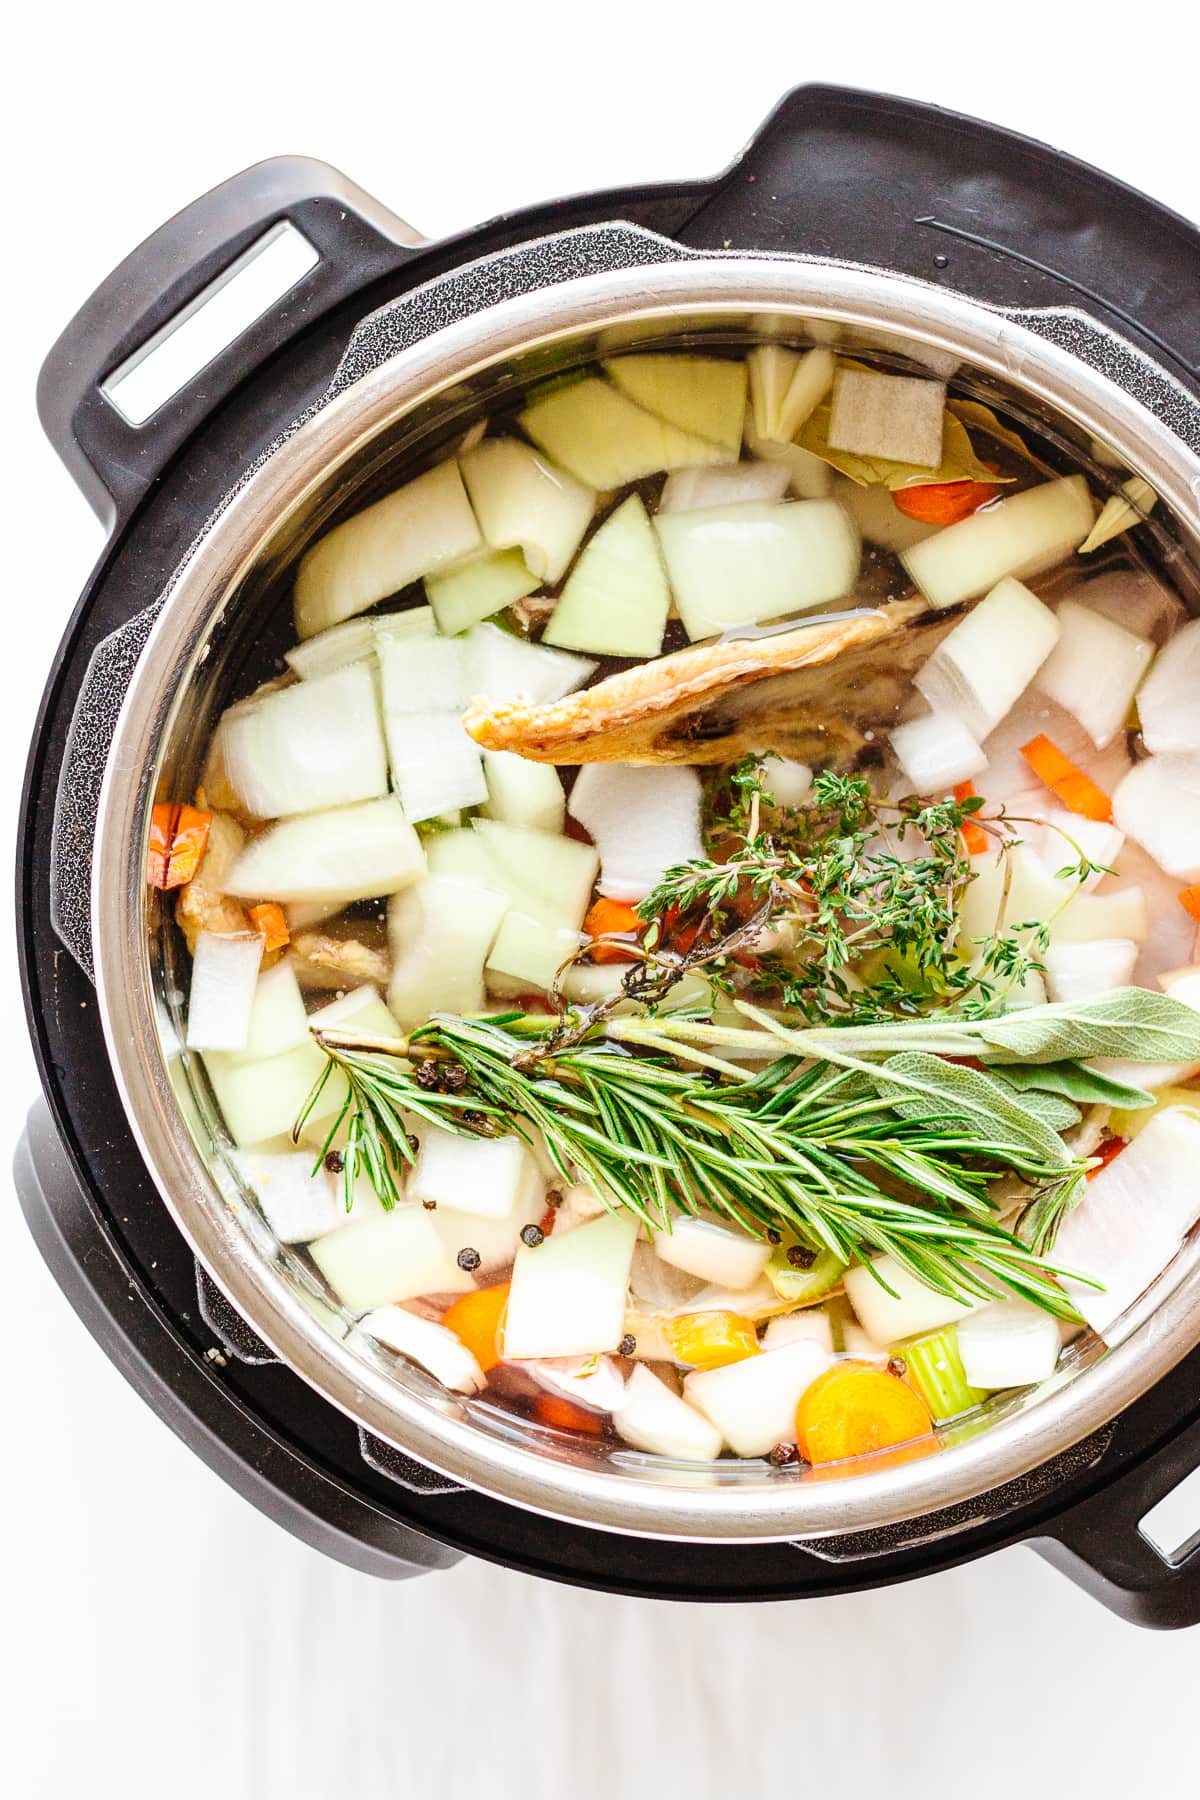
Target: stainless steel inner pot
{"x":467,"y":341}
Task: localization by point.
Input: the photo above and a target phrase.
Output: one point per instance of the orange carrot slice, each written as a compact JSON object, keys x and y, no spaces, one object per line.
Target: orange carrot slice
{"x":271,"y":924}
{"x":709,"y":1340}
{"x":178,"y":837}
{"x":555,"y":1409}
{"x":856,"y":1408}
{"x":974,"y":837}
{"x":158,"y":852}
{"x":1189,"y":899}
{"x":1077,"y":791}
{"x":476,"y":1319}
{"x":611,"y":918}
{"x":944,"y":502}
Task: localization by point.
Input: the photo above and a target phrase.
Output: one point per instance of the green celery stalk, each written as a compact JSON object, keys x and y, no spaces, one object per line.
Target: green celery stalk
{"x":934,"y":1367}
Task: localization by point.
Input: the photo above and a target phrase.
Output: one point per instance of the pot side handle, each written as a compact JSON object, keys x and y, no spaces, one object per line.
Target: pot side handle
{"x":1102,"y":1543}
{"x":171,"y":276}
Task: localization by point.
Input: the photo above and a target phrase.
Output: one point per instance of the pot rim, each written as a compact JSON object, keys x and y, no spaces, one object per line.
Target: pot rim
{"x":670,"y":1506}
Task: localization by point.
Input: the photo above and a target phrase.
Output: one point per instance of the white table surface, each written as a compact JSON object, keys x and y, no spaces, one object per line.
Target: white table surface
{"x":161,"y":1637}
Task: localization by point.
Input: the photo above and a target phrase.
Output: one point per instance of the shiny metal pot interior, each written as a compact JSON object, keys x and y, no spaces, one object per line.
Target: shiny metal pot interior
{"x":460,"y":346}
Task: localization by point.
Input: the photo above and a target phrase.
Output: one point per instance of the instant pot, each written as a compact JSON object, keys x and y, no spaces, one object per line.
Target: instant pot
{"x":1067,"y":300}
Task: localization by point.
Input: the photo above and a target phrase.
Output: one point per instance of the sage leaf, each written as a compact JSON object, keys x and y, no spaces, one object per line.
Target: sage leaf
{"x":1075,"y":1081}
{"x":1051,"y":1108}
{"x":922,"y":1087}
{"x":1131,"y":1024}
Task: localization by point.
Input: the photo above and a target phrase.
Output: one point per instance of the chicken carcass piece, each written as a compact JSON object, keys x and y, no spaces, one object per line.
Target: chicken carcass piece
{"x":323,"y":961}
{"x":202,"y":904}
{"x":811,"y":694}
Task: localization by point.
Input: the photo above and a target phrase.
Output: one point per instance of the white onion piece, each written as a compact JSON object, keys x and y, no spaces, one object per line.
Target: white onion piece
{"x":753,"y":1402}
{"x":521,"y":500}
{"x":594,"y":1382}
{"x":657,"y":1285}
{"x":422,"y":674}
{"x":1122,"y":913}
{"x":911,"y":1307}
{"x":605,"y":440}
{"x":877,"y":516}
{"x":1133,"y":1216}
{"x":788,"y":782}
{"x":786,"y":387}
{"x":484,"y":584}
{"x":297,"y":1204}
{"x":704,"y":395}
{"x":616,"y":599}
{"x":396,"y":1257}
{"x":567,"y":1296}
{"x":1021,"y":880}
{"x":1158,"y":805}
{"x":436,"y":767}
{"x":1094,"y":670}
{"x":984,"y":665}
{"x":423,"y":525}
{"x":691,"y":490}
{"x":501,"y":667}
{"x":362,"y":1009}
{"x":262,"y":1100}
{"x":307,"y":747}
{"x":937,"y":752}
{"x":1167,"y":712}
{"x":528,"y":955}
{"x":860,"y":1344}
{"x":549,"y":878}
{"x":713,"y":1252}
{"x":1008,"y":1344}
{"x":224,"y":978}
{"x":409,"y":622}
{"x":437,"y":1350}
{"x":894,"y":416}
{"x":1055,"y":837}
{"x":278,"y":1020}
{"x":337,"y":648}
{"x":1135,"y":600}
{"x":523,"y":793}
{"x":809,"y":478}
{"x":811,"y":1324}
{"x":651,"y":1417}
{"x":440,"y":932}
{"x":737,"y":565}
{"x":488,"y":1176}
{"x":1020,"y":536}
{"x":643,"y":821}
{"x":1080,"y":971}
{"x":494,"y":1241}
{"x":352,"y":853}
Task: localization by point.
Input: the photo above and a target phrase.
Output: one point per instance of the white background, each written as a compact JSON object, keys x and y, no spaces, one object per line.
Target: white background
{"x":160,"y":1636}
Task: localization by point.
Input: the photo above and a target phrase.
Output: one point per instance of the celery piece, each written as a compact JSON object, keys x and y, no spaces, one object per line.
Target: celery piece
{"x":801,"y":1286}
{"x":934,"y":1367}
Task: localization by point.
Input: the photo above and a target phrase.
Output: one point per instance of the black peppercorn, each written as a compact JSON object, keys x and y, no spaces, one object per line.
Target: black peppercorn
{"x":429,"y":1205}
{"x":627,"y":1345}
{"x":897,"y":1366}
{"x":773,"y":1236}
{"x":413,"y":1141}
{"x":476,"y":1120}
{"x":469,"y":1260}
{"x":335,"y":1162}
{"x":800,"y":1256}
{"x":784,"y":1456}
{"x":532,"y":1235}
{"x":454,"y":1078}
{"x":426,"y":1075}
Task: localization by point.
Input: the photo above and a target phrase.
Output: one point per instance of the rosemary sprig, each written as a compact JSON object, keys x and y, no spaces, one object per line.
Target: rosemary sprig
{"x":847,"y":1159}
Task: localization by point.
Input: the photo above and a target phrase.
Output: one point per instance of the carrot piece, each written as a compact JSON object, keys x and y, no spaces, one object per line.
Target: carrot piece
{"x":609,"y":918}
{"x":271,"y":924}
{"x":555,"y":1409}
{"x":855,"y":1408}
{"x":1106,"y":1153}
{"x":477,"y":1319}
{"x":1077,"y":791}
{"x":1189,"y":899}
{"x":709,"y":1340}
{"x":678,"y":937}
{"x":158,"y":852}
{"x":546,"y":1222}
{"x":974,"y":837}
{"x":944,"y":502}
